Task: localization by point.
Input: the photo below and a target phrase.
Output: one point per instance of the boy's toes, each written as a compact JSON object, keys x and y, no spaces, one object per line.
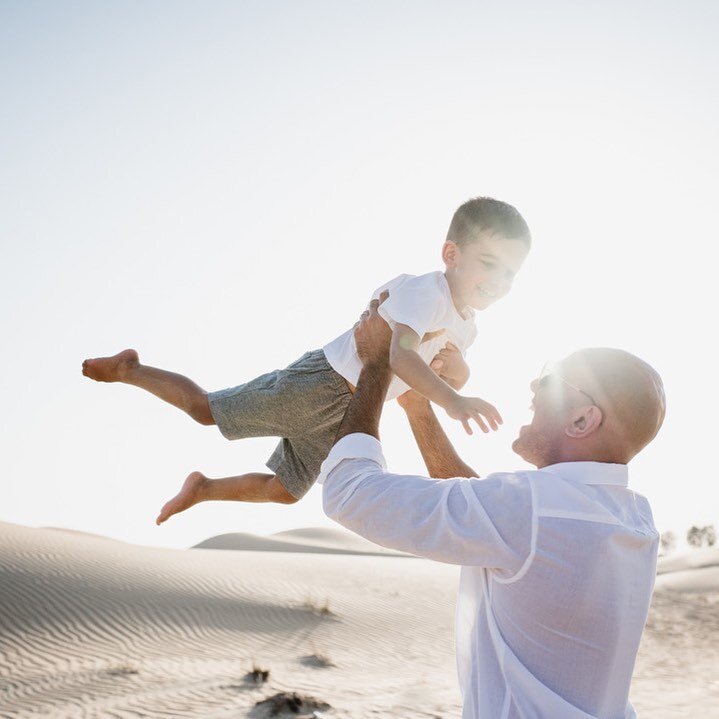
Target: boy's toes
{"x":165,"y":513}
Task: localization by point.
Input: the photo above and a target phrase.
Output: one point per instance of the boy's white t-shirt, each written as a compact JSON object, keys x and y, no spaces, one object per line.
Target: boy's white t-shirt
{"x":422,"y":302}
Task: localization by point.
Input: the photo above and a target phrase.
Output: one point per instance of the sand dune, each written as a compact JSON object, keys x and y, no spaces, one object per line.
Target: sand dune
{"x":677,"y":672}
{"x":79,"y":533}
{"x":92,"y":628}
{"x":696,"y":571}
{"x":99,"y":629}
{"x":696,"y":559}
{"x":315,"y":540}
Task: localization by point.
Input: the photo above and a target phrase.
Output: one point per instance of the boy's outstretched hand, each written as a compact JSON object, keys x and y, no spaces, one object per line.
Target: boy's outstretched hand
{"x":466,"y":408}
{"x":452,"y":368}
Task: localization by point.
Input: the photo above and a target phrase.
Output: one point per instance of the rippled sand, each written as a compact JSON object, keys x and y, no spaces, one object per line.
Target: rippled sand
{"x":92,"y":627}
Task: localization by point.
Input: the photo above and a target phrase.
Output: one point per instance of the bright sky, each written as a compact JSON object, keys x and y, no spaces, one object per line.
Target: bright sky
{"x":221,"y":185}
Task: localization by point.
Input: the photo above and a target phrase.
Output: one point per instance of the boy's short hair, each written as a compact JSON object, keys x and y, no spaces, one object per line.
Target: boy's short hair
{"x":485,"y":214}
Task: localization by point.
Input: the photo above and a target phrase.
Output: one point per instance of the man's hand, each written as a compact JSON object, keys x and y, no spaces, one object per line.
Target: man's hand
{"x":373,"y":335}
{"x":449,"y":364}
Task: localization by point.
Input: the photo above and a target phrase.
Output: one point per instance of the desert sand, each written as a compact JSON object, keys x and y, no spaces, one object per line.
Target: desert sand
{"x":93,"y":627}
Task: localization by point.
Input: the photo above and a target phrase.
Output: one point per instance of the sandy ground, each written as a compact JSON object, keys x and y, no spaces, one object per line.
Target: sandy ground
{"x":92,"y":627}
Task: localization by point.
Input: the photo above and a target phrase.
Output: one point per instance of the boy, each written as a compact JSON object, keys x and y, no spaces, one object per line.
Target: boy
{"x":485,"y":247}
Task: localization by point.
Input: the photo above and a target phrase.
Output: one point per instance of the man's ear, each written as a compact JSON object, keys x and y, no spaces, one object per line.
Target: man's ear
{"x":450,"y":253}
{"x":584,"y":421}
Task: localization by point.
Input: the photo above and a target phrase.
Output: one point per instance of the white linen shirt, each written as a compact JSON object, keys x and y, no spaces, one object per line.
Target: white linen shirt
{"x":558,"y":567}
{"x":422,"y":302}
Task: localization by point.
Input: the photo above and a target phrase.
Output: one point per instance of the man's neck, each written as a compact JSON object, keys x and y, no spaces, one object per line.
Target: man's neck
{"x":603,"y":456}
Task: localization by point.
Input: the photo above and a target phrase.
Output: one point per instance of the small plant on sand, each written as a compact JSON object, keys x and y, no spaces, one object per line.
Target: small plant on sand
{"x":125,"y":669}
{"x":317,"y":659}
{"x":256,"y":675}
{"x":317,"y":608}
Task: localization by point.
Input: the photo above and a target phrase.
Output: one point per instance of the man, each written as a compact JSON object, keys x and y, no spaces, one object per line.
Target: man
{"x":558,"y":564}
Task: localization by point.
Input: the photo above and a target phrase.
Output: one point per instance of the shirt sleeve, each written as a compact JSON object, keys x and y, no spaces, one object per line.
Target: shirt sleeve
{"x":418,"y":303}
{"x":472,"y":522}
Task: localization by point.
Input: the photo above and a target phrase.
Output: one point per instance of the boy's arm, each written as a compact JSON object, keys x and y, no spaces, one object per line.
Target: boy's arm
{"x":410,"y":368}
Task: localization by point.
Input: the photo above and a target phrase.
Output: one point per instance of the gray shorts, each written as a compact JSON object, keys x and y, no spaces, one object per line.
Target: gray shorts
{"x":303,"y":403}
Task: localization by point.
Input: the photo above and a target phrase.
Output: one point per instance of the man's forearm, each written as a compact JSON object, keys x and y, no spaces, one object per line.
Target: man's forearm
{"x":437,"y":451}
{"x":365,"y":407}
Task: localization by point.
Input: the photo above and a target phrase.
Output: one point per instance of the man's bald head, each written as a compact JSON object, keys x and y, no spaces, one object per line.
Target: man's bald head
{"x":629,"y":392}
{"x":598,"y":404}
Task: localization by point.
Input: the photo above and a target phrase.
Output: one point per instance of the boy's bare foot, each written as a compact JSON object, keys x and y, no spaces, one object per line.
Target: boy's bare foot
{"x":190,"y":494}
{"x":111,"y":369}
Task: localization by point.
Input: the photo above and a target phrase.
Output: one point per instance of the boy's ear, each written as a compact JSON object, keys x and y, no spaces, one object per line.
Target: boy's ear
{"x":450,"y":253}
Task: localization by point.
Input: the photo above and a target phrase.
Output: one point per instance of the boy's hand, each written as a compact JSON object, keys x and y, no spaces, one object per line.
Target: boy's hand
{"x":466,"y":408}
{"x":449,"y":364}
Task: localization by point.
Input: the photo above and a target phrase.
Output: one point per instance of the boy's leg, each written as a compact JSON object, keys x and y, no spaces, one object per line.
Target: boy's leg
{"x":173,"y":388}
{"x":252,"y":487}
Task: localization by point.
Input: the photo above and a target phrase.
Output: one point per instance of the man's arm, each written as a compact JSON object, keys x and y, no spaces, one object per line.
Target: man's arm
{"x":364,"y":411}
{"x":365,"y":407}
{"x":437,"y":451}
{"x":460,"y":521}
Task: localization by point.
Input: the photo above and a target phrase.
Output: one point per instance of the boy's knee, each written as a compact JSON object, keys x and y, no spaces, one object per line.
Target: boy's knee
{"x":279,"y":494}
{"x":200,"y":411}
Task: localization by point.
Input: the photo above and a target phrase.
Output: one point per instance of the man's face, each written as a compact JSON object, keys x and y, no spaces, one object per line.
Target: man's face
{"x":483,"y":271}
{"x":555,"y":397}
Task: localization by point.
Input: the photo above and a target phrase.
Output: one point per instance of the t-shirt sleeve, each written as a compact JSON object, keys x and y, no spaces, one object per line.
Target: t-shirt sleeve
{"x":418,"y":303}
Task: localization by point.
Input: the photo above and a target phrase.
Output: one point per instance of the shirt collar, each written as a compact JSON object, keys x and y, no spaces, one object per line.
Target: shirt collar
{"x":468,"y":311}
{"x":591,"y":472}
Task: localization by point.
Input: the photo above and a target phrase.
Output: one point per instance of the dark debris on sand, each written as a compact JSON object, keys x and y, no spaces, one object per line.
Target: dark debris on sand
{"x":320,"y":661}
{"x":257,"y":675}
{"x":291,"y":703}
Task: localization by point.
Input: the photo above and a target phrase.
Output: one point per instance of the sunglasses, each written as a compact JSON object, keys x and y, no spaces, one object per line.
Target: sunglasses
{"x":549,"y":372}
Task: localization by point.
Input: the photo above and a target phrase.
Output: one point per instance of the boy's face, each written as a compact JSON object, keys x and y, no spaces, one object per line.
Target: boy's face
{"x":481,"y":272}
